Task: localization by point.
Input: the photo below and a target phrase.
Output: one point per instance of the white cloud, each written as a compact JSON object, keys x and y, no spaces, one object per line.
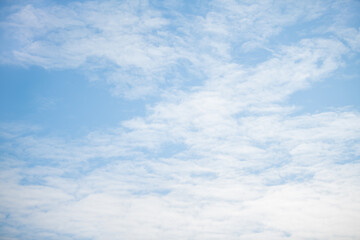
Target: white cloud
{"x":135,"y":47}
{"x":261,"y":166}
{"x":83,"y":34}
{"x":244,"y":166}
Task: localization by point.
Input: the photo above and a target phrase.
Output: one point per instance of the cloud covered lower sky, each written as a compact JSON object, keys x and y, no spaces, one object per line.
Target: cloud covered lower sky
{"x":179,"y":120}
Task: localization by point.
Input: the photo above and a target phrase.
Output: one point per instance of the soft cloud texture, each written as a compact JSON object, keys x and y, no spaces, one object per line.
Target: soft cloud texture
{"x":220,"y":154}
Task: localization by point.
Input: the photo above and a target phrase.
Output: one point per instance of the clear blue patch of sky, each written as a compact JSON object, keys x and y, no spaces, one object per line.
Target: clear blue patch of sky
{"x":250,"y":58}
{"x":337,"y":91}
{"x":62,"y":102}
{"x":187,"y":8}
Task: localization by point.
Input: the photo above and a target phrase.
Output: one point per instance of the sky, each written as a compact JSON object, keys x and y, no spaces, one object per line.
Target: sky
{"x":195,"y":120}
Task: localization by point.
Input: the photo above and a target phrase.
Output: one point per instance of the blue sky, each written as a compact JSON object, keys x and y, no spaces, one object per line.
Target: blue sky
{"x":179,"y":119}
